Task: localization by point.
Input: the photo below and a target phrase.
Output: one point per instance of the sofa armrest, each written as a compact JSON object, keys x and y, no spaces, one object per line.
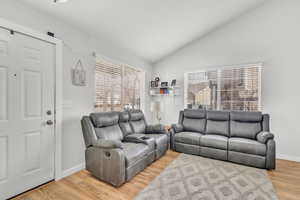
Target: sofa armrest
{"x":155,"y":129}
{"x":264,"y":136}
{"x":177,"y":128}
{"x":271,"y":154}
{"x":108,"y":144}
{"x":135,"y":139}
{"x":106,"y":164}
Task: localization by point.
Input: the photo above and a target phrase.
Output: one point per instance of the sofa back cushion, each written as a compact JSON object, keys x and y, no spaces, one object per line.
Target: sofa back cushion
{"x":245,"y":124}
{"x":217,"y":123}
{"x":124,"y":123}
{"x":137,"y":121}
{"x":194,"y":120}
{"x":106,"y":125}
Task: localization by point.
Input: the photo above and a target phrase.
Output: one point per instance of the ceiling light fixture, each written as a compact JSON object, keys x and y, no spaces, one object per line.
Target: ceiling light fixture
{"x":60,"y":1}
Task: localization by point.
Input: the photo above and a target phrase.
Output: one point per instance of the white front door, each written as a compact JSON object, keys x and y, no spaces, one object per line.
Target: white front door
{"x":26,"y":105}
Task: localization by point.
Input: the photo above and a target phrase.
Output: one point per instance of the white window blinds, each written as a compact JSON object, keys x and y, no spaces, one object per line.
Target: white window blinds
{"x":237,"y":88}
{"x":117,"y":87}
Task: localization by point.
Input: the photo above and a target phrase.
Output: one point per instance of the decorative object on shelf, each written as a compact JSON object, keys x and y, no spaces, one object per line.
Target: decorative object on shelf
{"x":173,"y":83}
{"x":164,"y":88}
{"x":156,"y":108}
{"x":79,"y":74}
{"x":157,"y":79}
{"x":152,"y":84}
{"x":164,"y":84}
{"x":161,"y":91}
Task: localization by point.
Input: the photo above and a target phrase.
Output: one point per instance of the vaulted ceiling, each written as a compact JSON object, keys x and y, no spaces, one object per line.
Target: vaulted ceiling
{"x":151,"y":29}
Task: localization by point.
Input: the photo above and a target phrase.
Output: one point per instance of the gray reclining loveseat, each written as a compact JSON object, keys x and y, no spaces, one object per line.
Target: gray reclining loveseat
{"x":240,"y":137}
{"x":121,"y":144}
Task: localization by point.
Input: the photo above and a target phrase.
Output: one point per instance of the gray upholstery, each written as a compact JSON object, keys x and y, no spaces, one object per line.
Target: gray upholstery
{"x":104,"y":119}
{"x":125,"y":128}
{"x":106,"y":125}
{"x":136,"y":115}
{"x":172,"y":138}
{"x":213,"y":153}
{"x":194,"y":114}
{"x":244,"y":129}
{"x":187,"y":148}
{"x":217,"y":115}
{"x":139,"y":166}
{"x":177,"y":128}
{"x":88,"y":130}
{"x":245,"y":124}
{"x":108,"y":144}
{"x":217,"y":127}
{"x":155,"y":129}
{"x":243,"y":116}
{"x":263,"y":137}
{"x":141,"y":138}
{"x":188,"y":138}
{"x":217,"y":123}
{"x":124,"y":123}
{"x":266,"y":122}
{"x":196,"y":125}
{"x":241,"y":137}
{"x":118,"y":147}
{"x":109,"y":132}
{"x":161,"y":144}
{"x":214,"y":141}
{"x":194,"y":120}
{"x":271,"y":155}
{"x":134,"y":152}
{"x":138,"y":126}
{"x":157,"y":132}
{"x":160,"y":139}
{"x":180,"y":120}
{"x":248,"y":146}
{"x":247,"y":159}
{"x":106,"y":164}
{"x":137,"y":121}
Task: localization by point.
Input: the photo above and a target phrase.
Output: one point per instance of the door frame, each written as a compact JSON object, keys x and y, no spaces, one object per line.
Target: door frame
{"x":58,"y":95}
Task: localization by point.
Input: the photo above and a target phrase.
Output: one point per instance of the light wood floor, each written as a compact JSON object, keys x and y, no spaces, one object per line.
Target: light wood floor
{"x":82,"y":186}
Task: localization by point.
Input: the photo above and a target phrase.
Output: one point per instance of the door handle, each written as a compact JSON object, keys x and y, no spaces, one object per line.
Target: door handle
{"x":49,"y":122}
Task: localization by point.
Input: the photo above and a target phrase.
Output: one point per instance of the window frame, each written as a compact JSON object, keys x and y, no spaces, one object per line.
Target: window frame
{"x":259,"y":65}
{"x":100,"y":58}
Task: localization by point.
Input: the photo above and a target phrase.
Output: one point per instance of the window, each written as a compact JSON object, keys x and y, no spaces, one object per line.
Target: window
{"x":117,"y":86}
{"x":235,"y":88}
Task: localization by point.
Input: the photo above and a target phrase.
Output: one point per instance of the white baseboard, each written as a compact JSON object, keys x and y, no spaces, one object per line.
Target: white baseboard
{"x":73,"y":170}
{"x":287,"y":157}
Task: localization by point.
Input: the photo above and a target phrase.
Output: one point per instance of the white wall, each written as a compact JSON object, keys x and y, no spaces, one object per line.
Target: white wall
{"x":270,"y":33}
{"x":78,"y":100}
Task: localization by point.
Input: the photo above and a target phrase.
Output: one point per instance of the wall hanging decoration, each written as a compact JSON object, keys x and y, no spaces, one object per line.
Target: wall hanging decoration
{"x":173,"y":84}
{"x":79,"y":75}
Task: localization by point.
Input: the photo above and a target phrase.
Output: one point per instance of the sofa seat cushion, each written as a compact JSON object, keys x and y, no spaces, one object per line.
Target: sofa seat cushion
{"x":214,"y":141}
{"x":248,"y":146}
{"x":134,"y":152}
{"x":188,"y":137}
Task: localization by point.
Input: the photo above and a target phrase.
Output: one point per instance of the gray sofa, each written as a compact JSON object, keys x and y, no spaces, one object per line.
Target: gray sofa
{"x":239,"y":137}
{"x":121,"y":144}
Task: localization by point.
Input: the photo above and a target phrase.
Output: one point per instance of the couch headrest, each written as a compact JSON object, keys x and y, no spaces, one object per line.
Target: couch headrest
{"x":136,"y":115}
{"x":194,"y":114}
{"x":218,"y":115}
{"x":103,"y":119}
{"x":124,"y":116}
{"x":246,"y":116}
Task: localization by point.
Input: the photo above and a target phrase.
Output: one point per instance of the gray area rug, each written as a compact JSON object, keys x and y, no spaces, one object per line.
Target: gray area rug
{"x":196,"y":178}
